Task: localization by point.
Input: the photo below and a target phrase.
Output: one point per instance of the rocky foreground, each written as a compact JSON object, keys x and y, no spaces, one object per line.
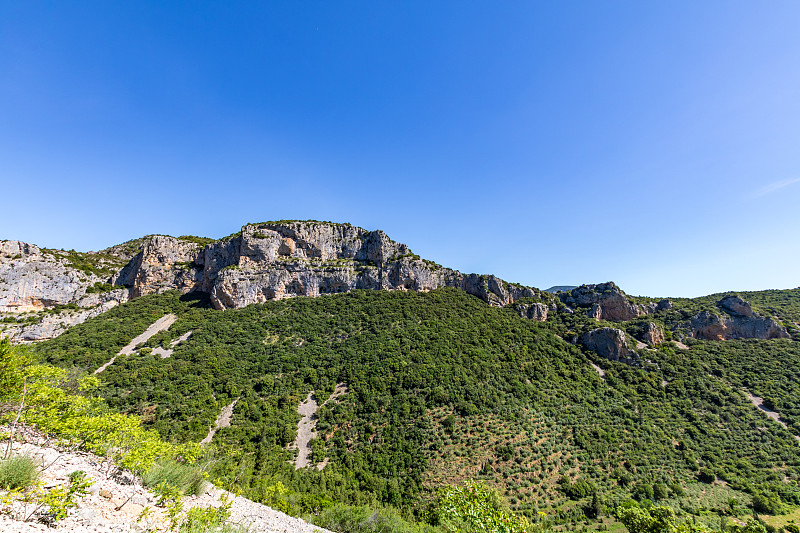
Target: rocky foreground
{"x":116,"y":500}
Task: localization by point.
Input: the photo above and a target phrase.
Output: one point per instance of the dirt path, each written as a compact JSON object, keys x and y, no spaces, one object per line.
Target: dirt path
{"x":306,"y":430}
{"x":681,"y":345}
{"x":161,"y":324}
{"x":759,"y":403}
{"x":166,"y":352}
{"x":599,"y":370}
{"x":222,"y":421}
{"x":307,"y":427}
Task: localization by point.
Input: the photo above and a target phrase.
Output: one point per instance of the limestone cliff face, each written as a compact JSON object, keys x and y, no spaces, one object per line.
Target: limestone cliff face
{"x":738,"y":321}
{"x":653,"y":334}
{"x":33,"y":280}
{"x":276,"y":260}
{"x":606,"y":301}
{"x":280,"y":260}
{"x":272,"y":261}
{"x":163,"y":263}
{"x":610,"y":343}
{"x":53,"y":325}
{"x":534,"y":311}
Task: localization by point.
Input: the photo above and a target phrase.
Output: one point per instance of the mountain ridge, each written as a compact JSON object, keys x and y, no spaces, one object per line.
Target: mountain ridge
{"x":282,"y":259}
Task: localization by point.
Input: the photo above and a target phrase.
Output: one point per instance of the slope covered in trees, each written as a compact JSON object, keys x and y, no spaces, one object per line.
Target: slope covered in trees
{"x":441,"y":388}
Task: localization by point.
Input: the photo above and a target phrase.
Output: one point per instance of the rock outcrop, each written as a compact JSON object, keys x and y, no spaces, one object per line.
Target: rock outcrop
{"x":735,"y":306}
{"x":738,"y":321}
{"x":606,"y":301}
{"x":32,"y":279}
{"x":51,"y":290}
{"x":263,"y":262}
{"x":52,"y":325}
{"x":276,"y":260}
{"x":653,"y":334}
{"x":163,"y":263}
{"x":534,"y":311}
{"x":272,"y":261}
{"x":610,"y":343}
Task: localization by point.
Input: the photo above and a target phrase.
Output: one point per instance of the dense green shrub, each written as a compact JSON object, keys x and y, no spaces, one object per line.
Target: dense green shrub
{"x":186,"y":478}
{"x":18,"y":472}
{"x":767,"y":503}
{"x":366,"y":519}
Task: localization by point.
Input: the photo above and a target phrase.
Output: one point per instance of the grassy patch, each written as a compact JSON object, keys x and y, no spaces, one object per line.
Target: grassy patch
{"x":188,"y":479}
{"x":361,"y":518}
{"x":18,"y":472}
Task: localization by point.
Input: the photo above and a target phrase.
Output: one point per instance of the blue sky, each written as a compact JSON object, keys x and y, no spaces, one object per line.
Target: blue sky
{"x":656,"y":144}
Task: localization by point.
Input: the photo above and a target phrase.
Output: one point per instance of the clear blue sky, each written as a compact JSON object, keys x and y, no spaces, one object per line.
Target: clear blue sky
{"x":656,"y":144}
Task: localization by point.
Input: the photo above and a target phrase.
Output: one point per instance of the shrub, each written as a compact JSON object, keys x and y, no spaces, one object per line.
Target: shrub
{"x":767,"y":503}
{"x":187,"y":479}
{"x":18,"y":472}
{"x":364,"y":519}
{"x":707,"y":475}
{"x":474,"y":507}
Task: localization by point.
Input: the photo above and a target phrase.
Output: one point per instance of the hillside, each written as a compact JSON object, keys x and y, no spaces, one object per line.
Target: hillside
{"x":327,"y":363}
{"x":441,"y":388}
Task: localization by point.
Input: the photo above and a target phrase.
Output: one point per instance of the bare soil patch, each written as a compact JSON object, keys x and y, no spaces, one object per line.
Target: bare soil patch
{"x":161,"y":324}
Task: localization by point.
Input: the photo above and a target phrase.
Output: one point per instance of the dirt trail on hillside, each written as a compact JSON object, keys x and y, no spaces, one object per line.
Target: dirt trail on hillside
{"x":161,"y":324}
{"x":759,"y":403}
{"x":222,"y":421}
{"x":306,"y":430}
{"x":307,"y":427}
{"x":599,"y":370}
{"x":167,"y":352}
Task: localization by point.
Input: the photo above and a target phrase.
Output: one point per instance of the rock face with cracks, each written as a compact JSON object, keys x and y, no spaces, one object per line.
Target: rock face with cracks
{"x":610,"y":343}
{"x":653,"y":334}
{"x":606,"y":301}
{"x":738,"y":321}
{"x":272,"y":261}
{"x":35,"y":280}
{"x":277,"y":260}
{"x":708,"y":326}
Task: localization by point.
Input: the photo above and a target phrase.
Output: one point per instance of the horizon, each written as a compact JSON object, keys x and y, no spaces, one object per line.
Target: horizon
{"x":651,"y":145}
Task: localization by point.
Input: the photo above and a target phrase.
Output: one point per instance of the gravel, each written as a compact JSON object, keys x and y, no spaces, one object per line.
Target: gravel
{"x":116,"y":499}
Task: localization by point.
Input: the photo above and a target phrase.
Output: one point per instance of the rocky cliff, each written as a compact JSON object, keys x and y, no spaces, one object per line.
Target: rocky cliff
{"x":610,"y":343}
{"x":271,"y":261}
{"x":606,"y":301}
{"x":262,"y":262}
{"x":736,"y":321}
{"x":43,"y":292}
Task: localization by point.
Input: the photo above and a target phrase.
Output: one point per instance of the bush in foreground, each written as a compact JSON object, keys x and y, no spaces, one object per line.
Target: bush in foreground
{"x":186,"y":478}
{"x":365,"y":519}
{"x":18,"y":472}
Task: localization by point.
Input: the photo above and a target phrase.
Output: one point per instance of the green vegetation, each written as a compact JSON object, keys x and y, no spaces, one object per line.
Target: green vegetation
{"x":98,"y":264}
{"x":17,"y":472}
{"x":442,"y":389}
{"x":365,"y":519}
{"x":100,"y":287}
{"x":186,"y":478}
{"x":202,"y":242}
{"x":60,"y":404}
{"x":474,"y":507}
